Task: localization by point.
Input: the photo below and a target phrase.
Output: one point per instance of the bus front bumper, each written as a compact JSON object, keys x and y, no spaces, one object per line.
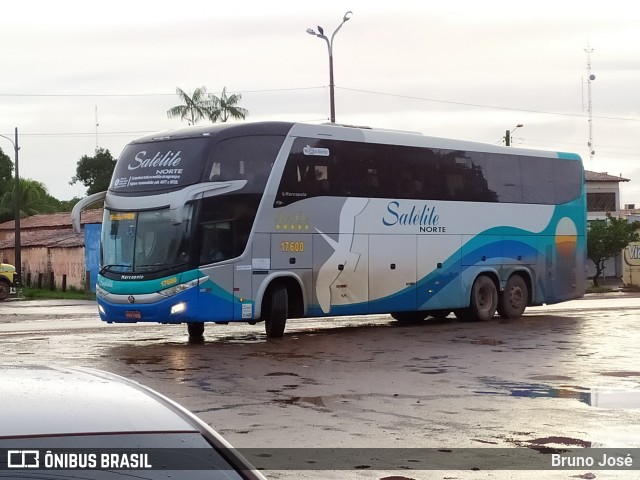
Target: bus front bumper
{"x":179,"y":308}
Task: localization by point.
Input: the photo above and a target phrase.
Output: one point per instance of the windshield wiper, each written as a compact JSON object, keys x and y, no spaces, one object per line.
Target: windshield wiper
{"x":141,"y":268}
{"x":110,"y":267}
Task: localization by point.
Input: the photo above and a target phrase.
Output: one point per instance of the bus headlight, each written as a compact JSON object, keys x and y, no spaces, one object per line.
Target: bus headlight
{"x":178,"y":308}
{"x":101,"y":309}
{"x":171,"y":291}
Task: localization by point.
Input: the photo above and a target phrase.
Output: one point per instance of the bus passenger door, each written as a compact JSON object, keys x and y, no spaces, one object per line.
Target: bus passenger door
{"x":392,"y":273}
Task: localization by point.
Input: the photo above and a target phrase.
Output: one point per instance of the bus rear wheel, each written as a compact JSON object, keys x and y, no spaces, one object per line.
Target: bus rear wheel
{"x":513,"y":300}
{"x":277,"y":310}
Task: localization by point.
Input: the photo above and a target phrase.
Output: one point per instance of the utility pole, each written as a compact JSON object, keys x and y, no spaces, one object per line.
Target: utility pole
{"x":18,"y":247}
{"x":507,"y":135}
{"x":320,"y":34}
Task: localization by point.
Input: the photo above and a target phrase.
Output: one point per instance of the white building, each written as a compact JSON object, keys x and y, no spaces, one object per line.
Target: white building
{"x":603,"y":196}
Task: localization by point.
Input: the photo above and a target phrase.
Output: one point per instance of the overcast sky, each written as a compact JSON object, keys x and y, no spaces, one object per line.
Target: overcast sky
{"x":464,"y":69}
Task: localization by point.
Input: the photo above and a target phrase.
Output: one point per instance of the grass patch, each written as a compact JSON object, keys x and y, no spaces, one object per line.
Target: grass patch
{"x":71,"y":294}
{"x":599,"y":289}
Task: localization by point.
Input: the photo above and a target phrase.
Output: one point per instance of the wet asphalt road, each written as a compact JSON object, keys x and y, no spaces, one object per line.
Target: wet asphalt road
{"x":565,"y":375}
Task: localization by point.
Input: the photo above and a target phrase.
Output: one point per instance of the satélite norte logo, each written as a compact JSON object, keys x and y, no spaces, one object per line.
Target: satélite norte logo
{"x":168,"y":161}
{"x":422,"y":216}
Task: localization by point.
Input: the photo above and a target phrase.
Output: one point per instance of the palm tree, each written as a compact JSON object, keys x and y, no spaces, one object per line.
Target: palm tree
{"x":34,"y":199}
{"x":195,"y":107}
{"x":225,"y":107}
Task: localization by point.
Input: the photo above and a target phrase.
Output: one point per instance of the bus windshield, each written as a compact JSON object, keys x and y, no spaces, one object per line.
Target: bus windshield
{"x":145,"y":242}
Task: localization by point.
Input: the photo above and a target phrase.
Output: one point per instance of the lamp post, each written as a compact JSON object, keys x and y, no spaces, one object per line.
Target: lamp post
{"x":507,"y":136}
{"x":18,"y":256}
{"x":320,"y":34}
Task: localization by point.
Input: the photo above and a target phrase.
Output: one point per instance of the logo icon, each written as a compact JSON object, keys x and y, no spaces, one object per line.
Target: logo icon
{"x":131,"y":299}
{"x":23,"y":458}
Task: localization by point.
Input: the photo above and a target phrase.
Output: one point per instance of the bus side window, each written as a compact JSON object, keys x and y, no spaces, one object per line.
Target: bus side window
{"x":216,"y":242}
{"x":365,"y":170}
{"x":303,"y":178}
{"x":414,"y":176}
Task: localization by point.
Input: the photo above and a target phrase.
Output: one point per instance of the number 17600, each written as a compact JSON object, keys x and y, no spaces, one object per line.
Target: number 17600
{"x":287,"y":246}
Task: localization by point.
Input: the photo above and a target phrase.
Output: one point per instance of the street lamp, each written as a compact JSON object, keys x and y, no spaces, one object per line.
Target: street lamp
{"x":507,"y":137}
{"x":18,"y":256}
{"x":321,"y":34}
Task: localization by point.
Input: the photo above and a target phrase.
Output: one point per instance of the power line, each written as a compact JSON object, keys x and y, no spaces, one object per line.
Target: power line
{"x":479,"y":105}
{"x":86,"y":134}
{"x":371,"y":92}
{"x":173,"y":94}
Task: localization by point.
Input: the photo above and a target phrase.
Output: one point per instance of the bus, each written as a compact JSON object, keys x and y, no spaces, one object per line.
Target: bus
{"x":270,"y":221}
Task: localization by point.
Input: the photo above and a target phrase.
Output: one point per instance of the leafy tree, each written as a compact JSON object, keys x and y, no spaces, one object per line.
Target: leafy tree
{"x":95,"y":172}
{"x":606,"y":238}
{"x":65,"y":205}
{"x":6,"y":168}
{"x":34,"y":199}
{"x":225,"y":107}
{"x":194,"y":108}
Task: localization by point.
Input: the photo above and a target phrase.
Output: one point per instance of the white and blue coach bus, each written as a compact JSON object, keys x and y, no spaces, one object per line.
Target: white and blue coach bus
{"x":268,"y":221}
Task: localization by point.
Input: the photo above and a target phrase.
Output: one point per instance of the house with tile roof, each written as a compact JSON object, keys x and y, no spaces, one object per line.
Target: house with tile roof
{"x":603,"y":194}
{"x":53,"y":255}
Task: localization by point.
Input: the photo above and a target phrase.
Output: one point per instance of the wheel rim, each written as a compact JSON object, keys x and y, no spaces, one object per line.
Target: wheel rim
{"x":515,"y":297}
{"x":485,"y":299}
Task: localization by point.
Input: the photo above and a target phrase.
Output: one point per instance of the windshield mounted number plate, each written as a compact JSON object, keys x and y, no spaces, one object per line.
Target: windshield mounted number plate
{"x":133,"y":314}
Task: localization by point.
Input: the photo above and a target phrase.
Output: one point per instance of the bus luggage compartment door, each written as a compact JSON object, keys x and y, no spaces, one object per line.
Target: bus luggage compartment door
{"x":439,"y":272}
{"x":392,"y":273}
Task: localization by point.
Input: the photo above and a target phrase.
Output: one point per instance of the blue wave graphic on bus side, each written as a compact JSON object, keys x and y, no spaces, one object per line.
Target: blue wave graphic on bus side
{"x":487,"y":251}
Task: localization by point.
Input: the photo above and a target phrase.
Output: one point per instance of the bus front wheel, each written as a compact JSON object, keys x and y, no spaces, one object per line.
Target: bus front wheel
{"x":513,"y":300}
{"x":277,"y":311}
{"x":196,"y":330}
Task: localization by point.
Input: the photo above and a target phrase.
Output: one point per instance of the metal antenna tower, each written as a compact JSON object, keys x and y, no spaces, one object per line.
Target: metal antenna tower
{"x":97,"y":125}
{"x":590,"y":77}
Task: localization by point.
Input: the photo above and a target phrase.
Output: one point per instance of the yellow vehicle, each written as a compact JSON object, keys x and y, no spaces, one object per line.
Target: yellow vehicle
{"x":7,"y":280}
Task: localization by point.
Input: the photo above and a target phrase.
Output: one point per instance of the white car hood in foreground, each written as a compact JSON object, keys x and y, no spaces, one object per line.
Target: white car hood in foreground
{"x":53,"y":401}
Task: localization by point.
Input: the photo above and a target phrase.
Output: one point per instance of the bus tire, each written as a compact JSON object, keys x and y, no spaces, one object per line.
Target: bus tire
{"x":195,"y":329}
{"x":409,"y":317}
{"x":513,"y":300}
{"x":277,"y":311}
{"x":5,"y":289}
{"x":484,"y":298}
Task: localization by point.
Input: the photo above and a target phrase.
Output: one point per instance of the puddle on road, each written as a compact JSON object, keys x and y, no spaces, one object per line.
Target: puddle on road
{"x":593,"y":397}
